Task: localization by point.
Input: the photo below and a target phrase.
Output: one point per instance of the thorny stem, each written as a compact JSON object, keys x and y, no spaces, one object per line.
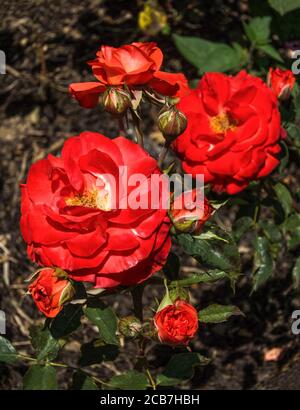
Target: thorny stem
{"x":163,"y":154}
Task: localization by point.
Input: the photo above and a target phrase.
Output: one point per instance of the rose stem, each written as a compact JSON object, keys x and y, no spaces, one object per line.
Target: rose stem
{"x":66,"y":366}
{"x":122,"y":131}
{"x":163,"y":154}
{"x":137,"y":129}
{"x":137,"y":298}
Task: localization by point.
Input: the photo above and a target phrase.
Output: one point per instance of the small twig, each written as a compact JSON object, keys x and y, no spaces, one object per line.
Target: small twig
{"x":122,"y":131}
{"x":152,"y":382}
{"x":66,"y":366}
{"x":137,"y":129}
{"x":163,"y":154}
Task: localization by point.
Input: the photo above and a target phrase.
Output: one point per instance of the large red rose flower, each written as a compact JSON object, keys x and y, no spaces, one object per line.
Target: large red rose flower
{"x":136,"y":64}
{"x":233,"y":131}
{"x":70,"y":220}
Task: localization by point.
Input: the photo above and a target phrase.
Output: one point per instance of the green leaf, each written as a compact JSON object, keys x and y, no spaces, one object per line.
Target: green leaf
{"x":132,"y":380}
{"x":206,"y":277}
{"x":293,"y":131}
{"x":179,"y":293}
{"x":292,"y":222}
{"x":284,"y":6}
{"x":284,"y":197}
{"x":166,"y":300}
{"x":209,"y":236}
{"x":263,"y":262}
{"x":271,"y":52}
{"x":180,"y":368}
{"x":241,"y":226}
{"x":213,"y":253}
{"x":258,"y":30}
{"x":40,"y":378}
{"x":296,"y":273}
{"x":8,"y":353}
{"x":218,"y":313}
{"x":96,"y":352}
{"x":105,"y":319}
{"x":83,"y":382}
{"x":207,"y":55}
{"x":46,"y":346}
{"x":291,"y":227}
{"x":218,"y":204}
{"x":271,"y":231}
{"x":67,"y":321}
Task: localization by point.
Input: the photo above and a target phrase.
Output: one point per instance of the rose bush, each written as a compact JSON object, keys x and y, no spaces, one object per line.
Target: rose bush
{"x":233,"y":131}
{"x":133,"y":65}
{"x":177,"y":324}
{"x":68,"y":220}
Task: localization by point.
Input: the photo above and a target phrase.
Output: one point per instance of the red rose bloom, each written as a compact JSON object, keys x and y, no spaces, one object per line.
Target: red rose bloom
{"x":281,"y":82}
{"x":233,"y":131}
{"x":136,"y":64}
{"x":69,"y":219}
{"x":187,"y":214}
{"x":50,"y":292}
{"x":177,"y":324}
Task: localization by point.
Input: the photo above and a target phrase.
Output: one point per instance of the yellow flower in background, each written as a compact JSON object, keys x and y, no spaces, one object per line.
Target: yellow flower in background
{"x":152,"y":19}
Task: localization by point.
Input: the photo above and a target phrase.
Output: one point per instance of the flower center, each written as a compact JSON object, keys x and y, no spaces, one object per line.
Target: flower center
{"x":222,"y":123}
{"x":92,"y":199}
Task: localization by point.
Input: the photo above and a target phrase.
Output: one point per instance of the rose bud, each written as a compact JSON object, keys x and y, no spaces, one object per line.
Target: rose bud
{"x":281,"y":82}
{"x":116,"y":101}
{"x":171,"y":123}
{"x":177,"y":324}
{"x":129,"y":326}
{"x":51,"y":290}
{"x":189,"y":215}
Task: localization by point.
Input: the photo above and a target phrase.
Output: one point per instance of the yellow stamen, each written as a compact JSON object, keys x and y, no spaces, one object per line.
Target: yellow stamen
{"x":222,"y":123}
{"x":91,"y":199}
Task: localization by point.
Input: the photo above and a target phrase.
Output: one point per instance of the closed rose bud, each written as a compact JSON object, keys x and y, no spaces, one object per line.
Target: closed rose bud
{"x":176,"y":324}
{"x":129,"y":326}
{"x":116,"y":101}
{"x":50,"y":290}
{"x":281,"y":82}
{"x":171,"y":123}
{"x":188,"y":213}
